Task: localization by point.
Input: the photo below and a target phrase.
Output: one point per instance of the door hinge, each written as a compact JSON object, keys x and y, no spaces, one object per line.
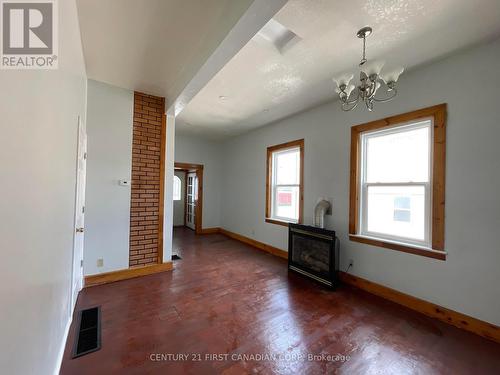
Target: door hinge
{"x":83,"y":209}
{"x":84,"y":156}
{"x":81,"y":262}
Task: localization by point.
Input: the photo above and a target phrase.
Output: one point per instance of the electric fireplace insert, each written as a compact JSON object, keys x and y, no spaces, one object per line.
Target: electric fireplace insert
{"x":313,"y":252}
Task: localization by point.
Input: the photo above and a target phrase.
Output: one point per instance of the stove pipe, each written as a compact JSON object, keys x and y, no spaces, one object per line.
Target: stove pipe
{"x":319,"y":213}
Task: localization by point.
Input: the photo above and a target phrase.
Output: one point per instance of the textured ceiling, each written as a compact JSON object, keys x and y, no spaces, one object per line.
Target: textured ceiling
{"x":265,"y":82}
{"x":155,"y":46}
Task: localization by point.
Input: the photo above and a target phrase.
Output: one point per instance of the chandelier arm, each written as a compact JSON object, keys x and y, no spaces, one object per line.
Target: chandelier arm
{"x":346,"y":109}
{"x":373,"y":89}
{"x":349,"y":102}
{"x":368,"y":91}
{"x":394,"y":93}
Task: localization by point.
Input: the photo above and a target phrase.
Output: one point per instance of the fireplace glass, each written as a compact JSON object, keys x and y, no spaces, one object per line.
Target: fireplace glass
{"x":312,"y":252}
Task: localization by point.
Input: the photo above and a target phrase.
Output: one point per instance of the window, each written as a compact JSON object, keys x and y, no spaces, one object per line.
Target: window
{"x":397,"y":182}
{"x":402,"y":209}
{"x":177,"y":188}
{"x":284,"y":195}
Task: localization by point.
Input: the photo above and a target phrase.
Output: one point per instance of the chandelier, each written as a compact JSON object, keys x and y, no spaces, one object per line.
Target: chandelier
{"x":371,"y":81}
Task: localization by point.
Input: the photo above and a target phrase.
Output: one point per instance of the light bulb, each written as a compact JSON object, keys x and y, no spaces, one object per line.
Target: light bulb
{"x":392,"y":75}
{"x":372,"y":67}
{"x":344,"y":79}
{"x":349,"y":89}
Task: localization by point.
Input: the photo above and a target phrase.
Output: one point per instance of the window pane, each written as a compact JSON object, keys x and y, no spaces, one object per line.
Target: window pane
{"x":287,"y":167}
{"x":398,"y":157}
{"x":397,"y":211}
{"x":286,"y":202}
{"x":402,"y":215}
{"x":177,"y":188}
{"x":402,"y":203}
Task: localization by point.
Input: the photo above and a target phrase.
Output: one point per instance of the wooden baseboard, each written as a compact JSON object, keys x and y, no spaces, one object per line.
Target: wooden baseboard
{"x":259,"y":245}
{"x":462,"y":321}
{"x":468,"y":323}
{"x":129,"y":273}
{"x":210,"y":230}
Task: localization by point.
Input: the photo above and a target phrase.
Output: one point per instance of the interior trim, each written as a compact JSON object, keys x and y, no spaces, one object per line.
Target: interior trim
{"x":283,"y":146}
{"x":129,"y":273}
{"x":459,"y":320}
{"x":435,"y":254}
{"x":279,"y":222}
{"x":438,"y":114}
{"x":198,"y":168}
{"x":210,"y":230}
{"x":161,"y":208}
{"x":259,"y":245}
{"x":187,"y":166}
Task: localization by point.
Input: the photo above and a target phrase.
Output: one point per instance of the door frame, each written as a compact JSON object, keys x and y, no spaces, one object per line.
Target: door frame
{"x":185,"y":194}
{"x":191,"y":200}
{"x":77,"y":256}
{"x":198,"y":168}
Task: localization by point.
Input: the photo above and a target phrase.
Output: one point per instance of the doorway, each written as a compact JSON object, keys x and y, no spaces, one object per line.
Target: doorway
{"x":81,"y":173}
{"x":190,"y":204}
{"x":191,"y":200}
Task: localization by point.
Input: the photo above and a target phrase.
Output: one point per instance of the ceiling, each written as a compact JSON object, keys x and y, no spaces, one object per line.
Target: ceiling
{"x":288,"y":66}
{"x":155,"y":46}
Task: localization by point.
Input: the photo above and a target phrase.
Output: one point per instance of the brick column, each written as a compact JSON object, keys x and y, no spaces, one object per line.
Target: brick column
{"x":146,"y":194}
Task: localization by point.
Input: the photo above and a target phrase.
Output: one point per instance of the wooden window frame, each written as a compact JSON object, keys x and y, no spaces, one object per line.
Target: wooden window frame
{"x":269,"y":173}
{"x":438,"y":114}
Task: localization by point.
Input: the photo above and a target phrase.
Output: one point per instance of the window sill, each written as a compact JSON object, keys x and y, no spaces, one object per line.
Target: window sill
{"x":435,"y":254}
{"x":279,"y":222}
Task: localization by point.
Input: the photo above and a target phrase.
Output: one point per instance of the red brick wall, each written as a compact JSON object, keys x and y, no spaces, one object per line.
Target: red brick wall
{"x":146,"y":205}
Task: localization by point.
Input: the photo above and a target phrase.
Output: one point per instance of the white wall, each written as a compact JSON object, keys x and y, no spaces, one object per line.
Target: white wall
{"x":38,"y":142}
{"x":468,"y":281}
{"x":199,"y":151}
{"x":109,"y":159}
{"x":168,"y":203}
{"x":179,"y":205}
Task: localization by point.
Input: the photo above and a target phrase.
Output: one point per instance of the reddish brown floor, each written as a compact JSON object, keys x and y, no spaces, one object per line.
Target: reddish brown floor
{"x":224,"y":297}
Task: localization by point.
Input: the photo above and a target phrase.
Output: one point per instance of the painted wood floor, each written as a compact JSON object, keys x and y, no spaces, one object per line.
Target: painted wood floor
{"x":233,"y":309}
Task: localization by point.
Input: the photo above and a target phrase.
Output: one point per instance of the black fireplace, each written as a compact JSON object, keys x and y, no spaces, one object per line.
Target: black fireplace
{"x":313,"y":252}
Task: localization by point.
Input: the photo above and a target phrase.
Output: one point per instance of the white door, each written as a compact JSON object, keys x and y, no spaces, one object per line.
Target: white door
{"x":77,"y":282}
{"x":192,"y":197}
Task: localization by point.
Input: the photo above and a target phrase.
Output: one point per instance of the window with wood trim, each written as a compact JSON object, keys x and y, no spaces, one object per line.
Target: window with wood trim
{"x":285,"y":183}
{"x":398,"y":181}
{"x":177,"y":188}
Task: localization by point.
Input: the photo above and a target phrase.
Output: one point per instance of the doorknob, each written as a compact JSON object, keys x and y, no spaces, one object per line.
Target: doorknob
{"x":79,"y":230}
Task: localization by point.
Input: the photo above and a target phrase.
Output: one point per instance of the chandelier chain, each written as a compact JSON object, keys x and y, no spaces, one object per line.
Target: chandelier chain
{"x":363,"y":60}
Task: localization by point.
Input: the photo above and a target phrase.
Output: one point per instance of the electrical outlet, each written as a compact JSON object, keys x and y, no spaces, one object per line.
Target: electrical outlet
{"x":100,"y":262}
{"x":351,"y":263}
